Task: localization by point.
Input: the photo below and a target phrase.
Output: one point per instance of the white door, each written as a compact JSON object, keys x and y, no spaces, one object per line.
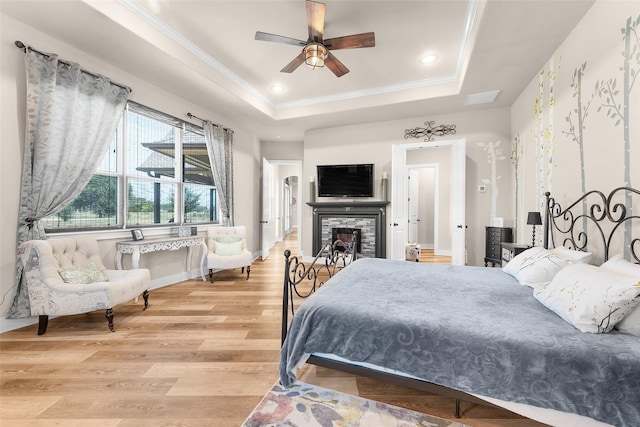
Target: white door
{"x":458,"y":173}
{"x":414,"y":205}
{"x":267,"y":221}
{"x":398,"y":201}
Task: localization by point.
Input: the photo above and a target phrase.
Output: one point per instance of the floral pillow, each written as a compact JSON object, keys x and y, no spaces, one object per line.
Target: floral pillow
{"x":535,"y":267}
{"x":90,"y":273}
{"x":590,"y":298}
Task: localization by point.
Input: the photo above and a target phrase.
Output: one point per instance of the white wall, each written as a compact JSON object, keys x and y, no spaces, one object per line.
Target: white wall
{"x":551,"y":157}
{"x":371,"y":143}
{"x":166,"y":267}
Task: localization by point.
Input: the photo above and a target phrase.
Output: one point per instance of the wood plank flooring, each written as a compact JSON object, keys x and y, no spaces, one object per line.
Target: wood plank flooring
{"x":202,"y":355}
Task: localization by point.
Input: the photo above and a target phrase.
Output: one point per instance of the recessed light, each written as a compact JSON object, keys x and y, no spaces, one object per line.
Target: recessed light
{"x":277,"y":88}
{"x":429,"y":58}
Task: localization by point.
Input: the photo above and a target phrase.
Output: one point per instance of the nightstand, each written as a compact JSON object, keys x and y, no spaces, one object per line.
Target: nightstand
{"x":495,"y":236}
{"x":509,"y":250}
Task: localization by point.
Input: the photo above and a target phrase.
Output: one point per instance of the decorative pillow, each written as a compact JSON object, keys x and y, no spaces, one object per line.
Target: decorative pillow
{"x":631,"y":322}
{"x":228,"y":239}
{"x":535,"y":267}
{"x":226,"y":249}
{"x":572,"y":254}
{"x":590,"y":298}
{"x":91,"y":273}
{"x":617,"y":264}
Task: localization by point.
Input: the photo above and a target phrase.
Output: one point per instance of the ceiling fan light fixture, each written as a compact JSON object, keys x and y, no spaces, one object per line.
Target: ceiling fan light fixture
{"x":314,"y":55}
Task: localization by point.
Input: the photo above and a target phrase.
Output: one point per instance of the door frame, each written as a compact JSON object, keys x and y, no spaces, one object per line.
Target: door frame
{"x":399,"y":217}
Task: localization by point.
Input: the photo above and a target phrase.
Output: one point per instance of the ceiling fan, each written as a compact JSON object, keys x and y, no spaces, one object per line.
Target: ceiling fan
{"x":316,"y":50}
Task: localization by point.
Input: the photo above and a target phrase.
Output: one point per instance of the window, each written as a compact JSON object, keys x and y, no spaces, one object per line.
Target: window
{"x":140,"y":182}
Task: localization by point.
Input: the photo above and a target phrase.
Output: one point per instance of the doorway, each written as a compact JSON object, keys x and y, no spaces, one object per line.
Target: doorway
{"x":455,"y":206}
{"x":281,"y":210}
{"x":424,"y":205}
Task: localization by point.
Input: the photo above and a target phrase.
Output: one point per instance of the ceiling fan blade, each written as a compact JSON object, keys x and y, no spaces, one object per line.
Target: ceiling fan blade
{"x":351,"y":42}
{"x":267,"y":37}
{"x":315,"y":20}
{"x":291,"y":66}
{"x":335,"y":65}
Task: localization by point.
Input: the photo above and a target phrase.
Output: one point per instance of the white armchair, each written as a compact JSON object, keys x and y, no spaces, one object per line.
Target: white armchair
{"x":83,"y":289}
{"x":227,"y":249}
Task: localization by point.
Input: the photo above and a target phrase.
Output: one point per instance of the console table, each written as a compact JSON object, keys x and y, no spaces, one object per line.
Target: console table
{"x":138,"y":247}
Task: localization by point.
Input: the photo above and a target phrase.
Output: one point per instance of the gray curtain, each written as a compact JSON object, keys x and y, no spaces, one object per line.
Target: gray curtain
{"x":71,"y":118}
{"x":220,"y":148}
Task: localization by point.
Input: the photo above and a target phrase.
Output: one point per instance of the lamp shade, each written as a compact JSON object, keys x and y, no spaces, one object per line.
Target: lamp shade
{"x":534,"y":218}
{"x":314,"y":55}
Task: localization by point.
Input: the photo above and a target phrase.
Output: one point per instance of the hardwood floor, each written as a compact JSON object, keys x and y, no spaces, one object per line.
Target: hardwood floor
{"x":201,"y":355}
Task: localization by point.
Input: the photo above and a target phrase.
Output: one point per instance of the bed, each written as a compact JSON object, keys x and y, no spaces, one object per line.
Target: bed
{"x":478,"y":334}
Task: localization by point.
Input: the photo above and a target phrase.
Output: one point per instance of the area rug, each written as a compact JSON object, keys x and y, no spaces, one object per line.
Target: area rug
{"x":306,"y":405}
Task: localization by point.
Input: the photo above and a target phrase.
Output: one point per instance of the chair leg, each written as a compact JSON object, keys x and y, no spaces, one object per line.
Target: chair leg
{"x":248,"y":271}
{"x":43,"y":321}
{"x":211,"y":275}
{"x":145,"y":296}
{"x":109,"y":316}
{"x":457,"y":414}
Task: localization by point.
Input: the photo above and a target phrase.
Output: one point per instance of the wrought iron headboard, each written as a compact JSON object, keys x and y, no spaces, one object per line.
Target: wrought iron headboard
{"x":605,"y":216}
{"x":331,"y":258}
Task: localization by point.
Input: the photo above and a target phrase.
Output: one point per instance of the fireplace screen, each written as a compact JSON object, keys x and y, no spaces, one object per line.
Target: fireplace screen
{"x":347,"y":235}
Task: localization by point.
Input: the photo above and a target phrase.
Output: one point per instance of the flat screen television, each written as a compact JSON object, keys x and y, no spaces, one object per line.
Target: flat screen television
{"x":345,"y":180}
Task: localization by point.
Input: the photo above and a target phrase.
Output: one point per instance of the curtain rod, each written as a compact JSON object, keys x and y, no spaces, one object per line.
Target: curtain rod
{"x":24,"y":47}
{"x":192,"y":116}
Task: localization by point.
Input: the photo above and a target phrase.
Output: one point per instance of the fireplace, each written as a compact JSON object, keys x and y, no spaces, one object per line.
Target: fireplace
{"x":347,"y":235}
{"x":368,"y":217}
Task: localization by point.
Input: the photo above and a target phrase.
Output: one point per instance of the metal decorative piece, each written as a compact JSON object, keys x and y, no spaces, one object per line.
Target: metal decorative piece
{"x":430,"y":131}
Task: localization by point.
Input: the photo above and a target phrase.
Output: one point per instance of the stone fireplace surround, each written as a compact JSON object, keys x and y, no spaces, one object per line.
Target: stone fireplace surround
{"x":369,"y":217}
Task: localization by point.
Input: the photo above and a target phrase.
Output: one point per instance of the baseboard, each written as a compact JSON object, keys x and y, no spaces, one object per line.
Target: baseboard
{"x":7,"y":325}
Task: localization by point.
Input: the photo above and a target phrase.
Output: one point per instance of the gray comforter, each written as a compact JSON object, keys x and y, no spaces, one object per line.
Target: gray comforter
{"x":473,"y":329}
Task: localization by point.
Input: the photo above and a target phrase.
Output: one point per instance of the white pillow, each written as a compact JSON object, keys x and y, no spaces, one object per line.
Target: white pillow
{"x":535,"y":267}
{"x":226,"y":249}
{"x":631,"y":322}
{"x":617,"y":264}
{"x":572,"y":254}
{"x":590,"y":298}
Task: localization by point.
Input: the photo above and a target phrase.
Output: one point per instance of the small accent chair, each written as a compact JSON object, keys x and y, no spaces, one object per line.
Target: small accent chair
{"x":84,"y":289}
{"x":227,"y":249}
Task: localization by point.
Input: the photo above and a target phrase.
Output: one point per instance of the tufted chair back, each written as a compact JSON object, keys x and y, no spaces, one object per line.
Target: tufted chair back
{"x":66,"y":253}
{"x":236,"y":231}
